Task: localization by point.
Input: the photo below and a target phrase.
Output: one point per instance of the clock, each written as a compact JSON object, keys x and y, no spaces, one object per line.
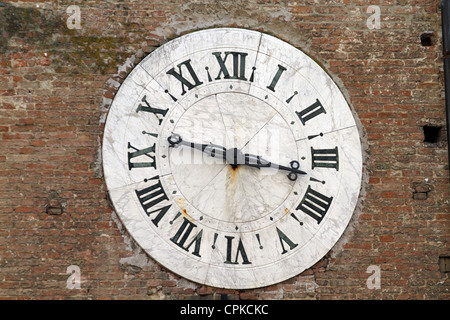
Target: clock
{"x":232,"y":158}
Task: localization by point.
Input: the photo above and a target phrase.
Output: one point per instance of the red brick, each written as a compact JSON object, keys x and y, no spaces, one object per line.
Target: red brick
{"x":386,"y":238}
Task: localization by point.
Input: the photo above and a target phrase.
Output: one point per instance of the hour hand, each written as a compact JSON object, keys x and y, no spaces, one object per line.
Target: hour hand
{"x":258,"y":162}
{"x":210,"y":149}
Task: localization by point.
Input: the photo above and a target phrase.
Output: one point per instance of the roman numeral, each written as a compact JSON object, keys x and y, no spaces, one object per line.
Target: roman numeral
{"x":277,"y":76}
{"x":183,"y":234}
{"x":315,"y":204}
{"x":151,"y":196}
{"x":148,"y":108}
{"x":312,"y":111}
{"x":138,"y":153}
{"x":240,"y":250}
{"x":185,"y":82}
{"x":238,"y":65}
{"x":284,"y":238}
{"x":325,"y":158}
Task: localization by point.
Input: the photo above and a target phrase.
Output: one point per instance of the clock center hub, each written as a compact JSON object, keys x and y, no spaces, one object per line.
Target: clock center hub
{"x":234,"y":157}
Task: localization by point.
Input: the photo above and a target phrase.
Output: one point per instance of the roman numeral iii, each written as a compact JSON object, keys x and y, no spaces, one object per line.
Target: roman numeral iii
{"x":325,"y":158}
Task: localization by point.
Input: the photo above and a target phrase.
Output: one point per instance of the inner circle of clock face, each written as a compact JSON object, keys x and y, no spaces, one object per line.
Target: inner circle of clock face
{"x":232,"y":158}
{"x":217,"y":189}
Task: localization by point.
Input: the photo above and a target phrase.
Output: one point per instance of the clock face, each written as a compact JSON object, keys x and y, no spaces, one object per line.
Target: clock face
{"x":232,"y":158}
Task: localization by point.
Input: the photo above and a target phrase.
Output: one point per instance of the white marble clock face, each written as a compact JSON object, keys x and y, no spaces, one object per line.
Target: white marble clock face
{"x":217,"y":220}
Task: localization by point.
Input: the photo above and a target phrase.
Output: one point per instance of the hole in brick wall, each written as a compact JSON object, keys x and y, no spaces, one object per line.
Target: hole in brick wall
{"x":426,"y":39}
{"x":421,"y":190}
{"x":53,"y":205}
{"x":444,"y":264}
{"x":432,"y":133}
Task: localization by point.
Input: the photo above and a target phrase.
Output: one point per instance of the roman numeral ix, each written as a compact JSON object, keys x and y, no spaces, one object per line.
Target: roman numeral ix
{"x":137,"y":153}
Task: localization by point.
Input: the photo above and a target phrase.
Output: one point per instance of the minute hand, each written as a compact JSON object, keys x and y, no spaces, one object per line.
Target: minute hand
{"x":259,"y":162}
{"x":210,"y":149}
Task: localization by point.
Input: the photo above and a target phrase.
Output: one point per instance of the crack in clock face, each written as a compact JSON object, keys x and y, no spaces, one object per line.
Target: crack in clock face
{"x":224,"y":192}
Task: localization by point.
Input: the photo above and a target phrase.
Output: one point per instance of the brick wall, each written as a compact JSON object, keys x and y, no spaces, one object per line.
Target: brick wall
{"x":56,"y":84}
